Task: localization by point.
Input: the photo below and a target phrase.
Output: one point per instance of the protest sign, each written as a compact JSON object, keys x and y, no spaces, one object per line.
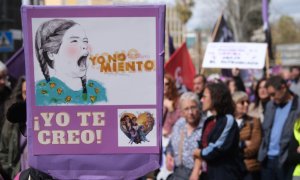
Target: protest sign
{"x":94,"y":78}
{"x":85,"y":73}
{"x":235,"y":55}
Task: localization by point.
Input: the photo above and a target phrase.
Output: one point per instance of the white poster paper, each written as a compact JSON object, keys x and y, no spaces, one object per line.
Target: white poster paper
{"x":235,"y":55}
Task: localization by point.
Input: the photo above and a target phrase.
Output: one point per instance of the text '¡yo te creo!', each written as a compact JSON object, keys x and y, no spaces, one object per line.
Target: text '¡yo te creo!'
{"x":54,"y":128}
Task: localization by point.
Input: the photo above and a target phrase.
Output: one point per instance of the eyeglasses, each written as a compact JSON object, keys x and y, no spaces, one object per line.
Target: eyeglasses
{"x":192,"y":108}
{"x":244,"y":102}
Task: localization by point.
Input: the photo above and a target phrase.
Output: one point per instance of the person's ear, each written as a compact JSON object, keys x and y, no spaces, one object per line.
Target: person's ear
{"x":50,"y":55}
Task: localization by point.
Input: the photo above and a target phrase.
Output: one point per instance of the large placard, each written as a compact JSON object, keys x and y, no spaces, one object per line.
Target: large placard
{"x":94,"y":77}
{"x":235,"y":55}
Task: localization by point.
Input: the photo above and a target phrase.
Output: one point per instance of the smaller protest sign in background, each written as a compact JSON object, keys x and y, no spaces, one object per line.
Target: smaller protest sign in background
{"x":235,"y":55}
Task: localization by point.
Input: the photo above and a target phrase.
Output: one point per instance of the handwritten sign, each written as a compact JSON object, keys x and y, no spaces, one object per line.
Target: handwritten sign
{"x":235,"y":55}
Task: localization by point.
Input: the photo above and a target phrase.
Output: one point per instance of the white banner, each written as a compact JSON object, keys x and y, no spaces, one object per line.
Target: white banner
{"x":235,"y":55}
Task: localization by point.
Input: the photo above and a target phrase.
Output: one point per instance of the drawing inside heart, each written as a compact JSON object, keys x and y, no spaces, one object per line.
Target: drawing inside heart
{"x":136,"y":128}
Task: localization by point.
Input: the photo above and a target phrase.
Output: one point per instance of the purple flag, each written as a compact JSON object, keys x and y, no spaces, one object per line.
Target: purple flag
{"x":267,"y":29}
{"x":265,"y":11}
{"x":16,"y":64}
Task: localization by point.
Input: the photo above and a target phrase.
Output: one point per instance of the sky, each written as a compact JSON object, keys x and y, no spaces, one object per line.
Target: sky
{"x":206,"y":12}
{"x":284,"y":7}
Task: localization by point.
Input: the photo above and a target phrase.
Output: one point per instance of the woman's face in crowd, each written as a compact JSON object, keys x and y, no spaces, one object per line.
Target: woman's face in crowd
{"x":262,"y":90}
{"x":3,"y":79}
{"x":190,"y":111}
{"x":166,"y":86}
{"x":24,"y":90}
{"x":231,"y":86}
{"x":241,"y":107}
{"x":295,"y":73}
{"x":206,"y":100}
{"x":71,"y":58}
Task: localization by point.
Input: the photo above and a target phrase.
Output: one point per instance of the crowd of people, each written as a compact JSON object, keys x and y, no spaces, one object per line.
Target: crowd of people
{"x":13,"y":142}
{"x":224,"y":129}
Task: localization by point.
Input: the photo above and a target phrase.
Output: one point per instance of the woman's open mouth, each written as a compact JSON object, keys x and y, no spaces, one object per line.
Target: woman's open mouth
{"x":82,"y":62}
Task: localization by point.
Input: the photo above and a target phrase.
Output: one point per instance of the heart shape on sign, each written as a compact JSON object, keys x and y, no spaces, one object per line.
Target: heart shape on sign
{"x":137,"y":128}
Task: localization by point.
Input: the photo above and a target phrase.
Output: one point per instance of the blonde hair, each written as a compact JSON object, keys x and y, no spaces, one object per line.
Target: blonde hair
{"x":239,"y":96}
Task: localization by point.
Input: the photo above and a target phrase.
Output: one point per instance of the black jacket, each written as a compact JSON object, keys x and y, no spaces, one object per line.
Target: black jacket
{"x":222,"y":155}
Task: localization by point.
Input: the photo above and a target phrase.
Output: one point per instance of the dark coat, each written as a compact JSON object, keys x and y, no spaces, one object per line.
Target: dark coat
{"x":286,"y":134}
{"x":4,"y":95}
{"x":224,"y":161}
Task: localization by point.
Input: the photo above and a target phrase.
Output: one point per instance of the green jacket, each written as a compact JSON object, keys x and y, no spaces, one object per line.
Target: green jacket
{"x":297,"y":137}
{"x":10,"y":148}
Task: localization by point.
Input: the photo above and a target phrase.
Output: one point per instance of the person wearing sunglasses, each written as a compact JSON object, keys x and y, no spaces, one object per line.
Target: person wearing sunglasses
{"x":250,"y":135}
{"x":280,"y":115}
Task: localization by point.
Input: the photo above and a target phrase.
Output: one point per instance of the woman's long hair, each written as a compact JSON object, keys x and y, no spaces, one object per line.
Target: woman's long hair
{"x":257,"y":98}
{"x":172,"y":93}
{"x":221,"y":98}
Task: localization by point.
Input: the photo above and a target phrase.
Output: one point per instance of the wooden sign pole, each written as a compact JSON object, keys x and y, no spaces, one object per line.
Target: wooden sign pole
{"x":213,"y":37}
{"x":267,"y":64}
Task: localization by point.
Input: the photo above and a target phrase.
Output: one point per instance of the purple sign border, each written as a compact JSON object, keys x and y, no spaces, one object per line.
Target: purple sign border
{"x":157,"y":11}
